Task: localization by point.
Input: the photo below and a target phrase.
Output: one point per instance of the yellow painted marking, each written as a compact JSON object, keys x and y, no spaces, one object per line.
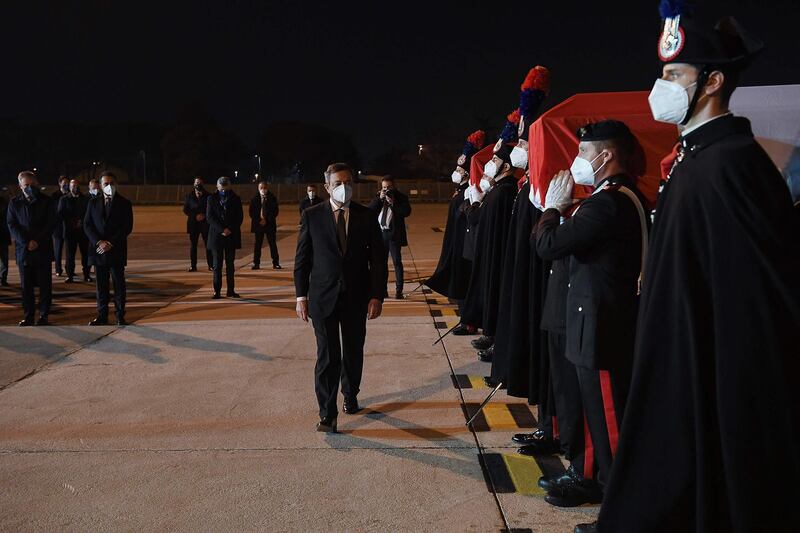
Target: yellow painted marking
{"x":524,"y":472}
{"x":499,"y":417}
{"x":447,"y":311}
{"x":477,"y":382}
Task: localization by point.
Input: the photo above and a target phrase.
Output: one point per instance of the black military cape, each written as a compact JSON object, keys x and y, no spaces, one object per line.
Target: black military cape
{"x":451,"y":276}
{"x":483,"y":294}
{"x":710,"y":440}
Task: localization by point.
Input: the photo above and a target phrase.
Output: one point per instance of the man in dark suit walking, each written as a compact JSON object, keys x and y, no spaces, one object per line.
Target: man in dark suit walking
{"x":194,"y":207}
{"x":58,"y":232}
{"x":224,"y":215}
{"x":392,"y":208}
{"x":311,"y":199}
{"x":5,"y":241}
{"x":108,"y":222}
{"x":340,"y":282}
{"x":263,"y":221}
{"x":31,"y":219}
{"x":72,"y":210}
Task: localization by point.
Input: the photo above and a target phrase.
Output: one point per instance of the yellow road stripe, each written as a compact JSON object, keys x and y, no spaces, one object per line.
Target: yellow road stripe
{"x":447,"y":311}
{"x":477,"y":382}
{"x":524,"y":473}
{"x":499,"y":417}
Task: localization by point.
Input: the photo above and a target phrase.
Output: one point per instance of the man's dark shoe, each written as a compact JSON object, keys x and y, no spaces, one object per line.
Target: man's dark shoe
{"x":216,"y":296}
{"x":586,"y":528}
{"x":464,"y":329}
{"x":255,"y":267}
{"x":25,"y":322}
{"x":351,"y":406}
{"x":575,"y":492}
{"x":4,"y":283}
{"x":542,"y":447}
{"x":486,"y":355}
{"x":99,"y":321}
{"x":483,"y":342}
{"x":528,"y":438}
{"x":69,"y":279}
{"x":59,"y":273}
{"x":276,"y":266}
{"x":492,"y":383}
{"x":232,"y":294}
{"x":122,"y":322}
{"x":327,"y":425}
{"x":42,"y":321}
{"x":399,"y":295}
{"x":88,"y":279}
{"x":548,"y":483}
{"x":192,"y":269}
{"x":211,"y":269}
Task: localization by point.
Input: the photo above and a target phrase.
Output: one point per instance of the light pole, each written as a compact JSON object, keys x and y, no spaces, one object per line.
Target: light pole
{"x":259,"y":164}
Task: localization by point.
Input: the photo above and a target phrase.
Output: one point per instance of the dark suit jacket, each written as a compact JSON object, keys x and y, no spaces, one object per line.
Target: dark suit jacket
{"x":193,"y":206}
{"x":307,"y":202}
{"x":255,"y":212}
{"x":322,"y":273}
{"x":114,"y":228}
{"x":400,"y":210}
{"x":58,"y":231}
{"x":603,"y":242}
{"x":218,"y":219}
{"x":72,"y":211}
{"x":34,"y":221}
{"x":5,"y":236}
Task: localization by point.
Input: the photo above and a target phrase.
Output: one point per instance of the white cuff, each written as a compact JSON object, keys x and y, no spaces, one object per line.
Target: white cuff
{"x":302,"y":298}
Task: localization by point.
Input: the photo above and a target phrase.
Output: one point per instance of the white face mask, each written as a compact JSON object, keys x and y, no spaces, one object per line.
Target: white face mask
{"x":342,"y":194}
{"x":582,"y":171}
{"x":456,"y":177}
{"x":311,"y":195}
{"x":93,"y":192}
{"x":490,"y":169}
{"x":519,"y":157}
{"x":108,"y":190}
{"x":669,"y":101}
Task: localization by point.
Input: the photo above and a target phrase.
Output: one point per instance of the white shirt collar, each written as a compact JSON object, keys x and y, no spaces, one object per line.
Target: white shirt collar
{"x":687,"y":131}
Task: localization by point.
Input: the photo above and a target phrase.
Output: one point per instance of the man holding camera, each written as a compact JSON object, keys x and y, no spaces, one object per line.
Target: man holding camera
{"x":392,"y":208}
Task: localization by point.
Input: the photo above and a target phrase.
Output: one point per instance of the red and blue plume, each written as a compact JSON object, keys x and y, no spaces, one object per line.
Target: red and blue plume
{"x":672,"y":8}
{"x":474,"y":143}
{"x":533,"y":90}
{"x":509,"y":133}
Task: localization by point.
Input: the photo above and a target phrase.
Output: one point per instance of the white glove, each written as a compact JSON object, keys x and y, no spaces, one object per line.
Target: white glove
{"x":475,"y":195}
{"x":533,"y":196}
{"x":466,"y":192}
{"x":559,"y":192}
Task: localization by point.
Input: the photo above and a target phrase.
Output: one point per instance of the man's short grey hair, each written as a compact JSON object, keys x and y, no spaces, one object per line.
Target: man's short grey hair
{"x":26,"y":174}
{"x":224,"y":180}
{"x":333,"y":168}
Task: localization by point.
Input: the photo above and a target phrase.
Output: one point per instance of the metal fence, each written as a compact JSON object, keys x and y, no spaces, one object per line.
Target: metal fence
{"x":289,"y":193}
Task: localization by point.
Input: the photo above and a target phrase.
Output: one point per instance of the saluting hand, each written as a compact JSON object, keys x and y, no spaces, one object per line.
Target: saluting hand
{"x":559,"y":192}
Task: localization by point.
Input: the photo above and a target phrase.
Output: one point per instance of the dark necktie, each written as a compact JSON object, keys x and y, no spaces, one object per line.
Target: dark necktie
{"x":106,"y":205}
{"x":384,"y":214}
{"x":263,"y":207}
{"x":341,"y":231}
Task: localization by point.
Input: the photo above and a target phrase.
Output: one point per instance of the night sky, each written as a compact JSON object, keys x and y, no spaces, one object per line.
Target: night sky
{"x":388,"y":73}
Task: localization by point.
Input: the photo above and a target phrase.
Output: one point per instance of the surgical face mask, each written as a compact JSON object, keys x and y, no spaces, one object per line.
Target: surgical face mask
{"x":223,"y":193}
{"x":311,"y":195}
{"x":669,"y":101}
{"x":28,"y":190}
{"x":65,"y":187}
{"x":262,"y":193}
{"x":342,"y":193}
{"x":108,"y":190}
{"x":490,"y":169}
{"x":519,"y":157}
{"x":93,"y":192}
{"x":75,"y":190}
{"x":456,"y":177}
{"x":583,"y":172}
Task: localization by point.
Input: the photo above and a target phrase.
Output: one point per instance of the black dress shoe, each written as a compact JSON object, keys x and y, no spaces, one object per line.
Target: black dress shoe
{"x":483,"y":342}
{"x":192,"y":269}
{"x":277,"y":267}
{"x":586,"y":528}
{"x":4,"y":283}
{"x":491,"y":383}
{"x":69,"y":279}
{"x":216,"y":296}
{"x":59,"y":273}
{"x":122,"y":322}
{"x":351,"y":406}
{"x":42,"y":321}
{"x":399,"y":295}
{"x":232,"y":295}
{"x":548,"y":483}
{"x":88,"y":279}
{"x":327,"y":425}
{"x":574,"y":493}
{"x":25,"y":322}
{"x":99,"y":321}
{"x":486,"y":355}
{"x":542,"y":447}
{"x":211,"y":269}
{"x":463,"y":329}
{"x":255,"y":267}
{"x":528,"y":438}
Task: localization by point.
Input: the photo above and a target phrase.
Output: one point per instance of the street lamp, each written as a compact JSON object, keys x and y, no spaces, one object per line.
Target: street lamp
{"x":259,"y":164}
{"x":235,"y":174}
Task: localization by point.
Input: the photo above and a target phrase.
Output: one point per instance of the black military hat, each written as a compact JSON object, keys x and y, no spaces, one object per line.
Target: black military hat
{"x":686,"y":37}
{"x":603,"y":131}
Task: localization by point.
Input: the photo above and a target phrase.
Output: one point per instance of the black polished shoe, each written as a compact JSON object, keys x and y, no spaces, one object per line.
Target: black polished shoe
{"x":492,"y":383}
{"x":463,"y":329}
{"x":216,"y":296}
{"x":548,"y":483}
{"x":69,"y":279}
{"x":99,"y":321}
{"x":255,"y":267}
{"x":399,"y":295}
{"x":122,"y":322}
{"x":4,"y":283}
{"x":327,"y":425}
{"x":277,"y":267}
{"x":88,"y":279}
{"x":586,"y":528}
{"x":59,"y":273}
{"x":351,"y":406}
{"x":483,"y":342}
{"x":542,"y":447}
{"x":574,"y":493}
{"x":486,"y":355}
{"x":192,"y":269}
{"x":528,"y":438}
{"x":25,"y":322}
{"x":232,"y":295}
{"x":211,"y":269}
{"x":42,"y":321}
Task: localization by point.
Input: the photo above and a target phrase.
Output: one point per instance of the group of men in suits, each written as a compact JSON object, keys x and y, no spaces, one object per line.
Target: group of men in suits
{"x":97,"y":225}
